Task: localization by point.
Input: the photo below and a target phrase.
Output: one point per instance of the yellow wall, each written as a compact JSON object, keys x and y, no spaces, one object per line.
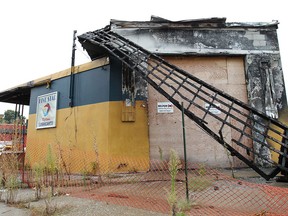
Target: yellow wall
{"x":92,"y":134}
{"x":128,"y":141}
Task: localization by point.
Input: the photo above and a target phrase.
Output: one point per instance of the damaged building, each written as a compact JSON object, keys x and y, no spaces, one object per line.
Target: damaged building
{"x":116,"y":114}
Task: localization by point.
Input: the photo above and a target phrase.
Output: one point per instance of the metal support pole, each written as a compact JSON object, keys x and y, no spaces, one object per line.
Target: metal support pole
{"x":22,"y":141}
{"x":15,"y":125}
{"x":71,"y":95}
{"x":185,"y":154}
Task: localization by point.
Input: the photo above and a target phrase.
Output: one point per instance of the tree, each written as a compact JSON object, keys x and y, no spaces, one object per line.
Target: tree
{"x":10,"y":116}
{"x":1,"y":118}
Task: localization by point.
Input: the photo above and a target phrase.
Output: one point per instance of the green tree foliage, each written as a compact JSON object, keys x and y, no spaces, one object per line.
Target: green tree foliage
{"x":11,"y":115}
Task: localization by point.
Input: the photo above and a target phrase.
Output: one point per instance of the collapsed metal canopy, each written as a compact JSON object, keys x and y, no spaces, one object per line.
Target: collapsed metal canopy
{"x":178,"y":85}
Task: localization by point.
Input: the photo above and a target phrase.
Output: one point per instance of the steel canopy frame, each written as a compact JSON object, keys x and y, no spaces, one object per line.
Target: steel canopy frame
{"x":179,"y":86}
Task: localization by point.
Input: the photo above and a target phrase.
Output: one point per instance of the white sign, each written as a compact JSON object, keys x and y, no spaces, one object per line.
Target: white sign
{"x":165,"y":107}
{"x":46,"y":110}
{"x":213,"y":108}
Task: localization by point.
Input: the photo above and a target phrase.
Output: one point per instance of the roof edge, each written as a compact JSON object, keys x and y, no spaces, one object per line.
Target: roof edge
{"x":213,"y":22}
{"x":16,"y":93}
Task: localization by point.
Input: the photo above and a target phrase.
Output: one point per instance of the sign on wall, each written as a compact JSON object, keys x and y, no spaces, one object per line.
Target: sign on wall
{"x":164,"y":107}
{"x":46,"y":110}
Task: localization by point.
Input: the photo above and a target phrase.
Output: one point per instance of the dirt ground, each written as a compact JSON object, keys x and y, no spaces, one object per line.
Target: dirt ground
{"x":150,"y":199}
{"x":67,"y":205}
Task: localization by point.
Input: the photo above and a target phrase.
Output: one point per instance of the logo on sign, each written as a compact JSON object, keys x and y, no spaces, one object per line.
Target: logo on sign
{"x":46,"y":110}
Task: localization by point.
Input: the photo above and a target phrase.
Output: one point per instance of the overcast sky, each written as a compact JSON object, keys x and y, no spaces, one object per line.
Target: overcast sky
{"x":36,"y":35}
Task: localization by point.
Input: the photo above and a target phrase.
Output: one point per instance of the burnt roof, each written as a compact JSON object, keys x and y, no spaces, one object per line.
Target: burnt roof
{"x":159,"y":23}
{"x":21,"y":93}
{"x":214,"y":22}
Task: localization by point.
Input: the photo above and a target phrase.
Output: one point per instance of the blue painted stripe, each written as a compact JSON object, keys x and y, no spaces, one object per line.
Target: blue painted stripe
{"x":90,"y":87}
{"x":97,"y":85}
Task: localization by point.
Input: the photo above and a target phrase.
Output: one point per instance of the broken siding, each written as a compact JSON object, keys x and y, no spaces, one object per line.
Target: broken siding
{"x":266,"y":83}
{"x":133,"y":88}
{"x":266,"y":91}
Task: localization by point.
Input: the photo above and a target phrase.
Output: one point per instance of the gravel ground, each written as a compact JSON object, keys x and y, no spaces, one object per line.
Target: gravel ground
{"x":67,"y":205}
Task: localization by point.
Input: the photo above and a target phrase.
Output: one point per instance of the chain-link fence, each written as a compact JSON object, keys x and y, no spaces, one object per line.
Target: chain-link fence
{"x":167,"y":187}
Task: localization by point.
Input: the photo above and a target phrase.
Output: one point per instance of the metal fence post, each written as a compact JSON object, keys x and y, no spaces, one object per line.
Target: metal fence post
{"x":185,"y":153}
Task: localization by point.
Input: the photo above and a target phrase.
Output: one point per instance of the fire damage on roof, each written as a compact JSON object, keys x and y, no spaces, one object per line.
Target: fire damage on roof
{"x":21,"y":94}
